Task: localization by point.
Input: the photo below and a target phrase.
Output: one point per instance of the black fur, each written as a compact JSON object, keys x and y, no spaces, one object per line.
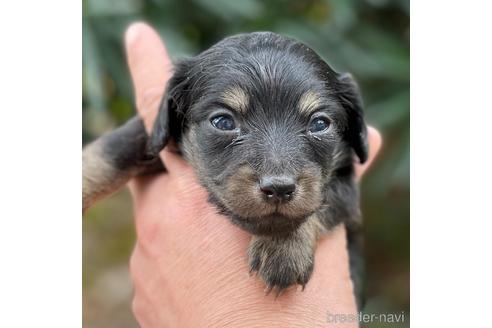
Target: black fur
{"x":126,"y":148}
{"x":275,"y":74}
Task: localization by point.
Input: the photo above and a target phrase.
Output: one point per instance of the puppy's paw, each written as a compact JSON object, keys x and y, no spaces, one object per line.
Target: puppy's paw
{"x":281,"y":263}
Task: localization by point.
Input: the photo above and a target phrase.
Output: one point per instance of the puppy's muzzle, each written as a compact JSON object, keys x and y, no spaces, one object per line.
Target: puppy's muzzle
{"x":277,"y":189}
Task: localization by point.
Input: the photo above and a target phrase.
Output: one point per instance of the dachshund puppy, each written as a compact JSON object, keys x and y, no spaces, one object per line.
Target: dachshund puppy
{"x":271,"y":131}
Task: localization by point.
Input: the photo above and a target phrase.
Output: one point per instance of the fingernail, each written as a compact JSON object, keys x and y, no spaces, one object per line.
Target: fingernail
{"x":133,"y":32}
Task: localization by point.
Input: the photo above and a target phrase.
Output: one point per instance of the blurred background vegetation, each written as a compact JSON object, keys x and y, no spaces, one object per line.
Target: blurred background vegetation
{"x":369,"y":38}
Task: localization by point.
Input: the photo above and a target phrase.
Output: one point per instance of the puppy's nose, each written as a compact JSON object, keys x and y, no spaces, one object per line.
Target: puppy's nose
{"x":278,"y":188}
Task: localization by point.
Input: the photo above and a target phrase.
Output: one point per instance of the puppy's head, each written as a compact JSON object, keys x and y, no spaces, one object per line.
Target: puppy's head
{"x":266,"y":124}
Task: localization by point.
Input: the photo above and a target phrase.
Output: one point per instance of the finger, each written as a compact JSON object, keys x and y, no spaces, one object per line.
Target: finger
{"x":150,"y":68}
{"x":174,"y":161}
{"x":375,"y":141}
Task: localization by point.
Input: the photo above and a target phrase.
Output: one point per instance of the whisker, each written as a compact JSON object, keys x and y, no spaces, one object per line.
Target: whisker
{"x":236,"y":141}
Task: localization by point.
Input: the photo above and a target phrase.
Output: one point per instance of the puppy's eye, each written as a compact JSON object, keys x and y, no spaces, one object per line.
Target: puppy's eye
{"x":319,"y":124}
{"x":223,"y":122}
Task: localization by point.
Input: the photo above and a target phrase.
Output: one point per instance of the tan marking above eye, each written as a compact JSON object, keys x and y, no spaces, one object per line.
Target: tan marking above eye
{"x":309,"y":102}
{"x":236,"y":98}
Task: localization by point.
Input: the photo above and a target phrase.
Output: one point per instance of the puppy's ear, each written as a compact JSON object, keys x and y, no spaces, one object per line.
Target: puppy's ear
{"x":169,"y":121}
{"x":356,"y":132}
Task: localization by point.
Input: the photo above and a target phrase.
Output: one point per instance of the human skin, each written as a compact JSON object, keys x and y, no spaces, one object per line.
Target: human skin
{"x":189,"y":266}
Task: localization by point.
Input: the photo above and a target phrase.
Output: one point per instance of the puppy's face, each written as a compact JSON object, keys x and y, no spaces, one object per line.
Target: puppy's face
{"x":266,"y":124}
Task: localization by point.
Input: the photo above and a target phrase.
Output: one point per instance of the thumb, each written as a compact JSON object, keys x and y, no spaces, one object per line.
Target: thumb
{"x":150,"y":69}
{"x":375,"y":141}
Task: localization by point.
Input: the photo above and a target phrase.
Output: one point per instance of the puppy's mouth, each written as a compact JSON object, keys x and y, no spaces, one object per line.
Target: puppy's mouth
{"x":254,"y":209}
{"x":274,"y":223}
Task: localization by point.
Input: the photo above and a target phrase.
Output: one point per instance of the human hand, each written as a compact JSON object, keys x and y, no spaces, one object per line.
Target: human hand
{"x":189,"y":266}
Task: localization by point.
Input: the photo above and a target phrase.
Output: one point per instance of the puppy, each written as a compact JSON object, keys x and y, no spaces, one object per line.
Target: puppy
{"x":271,"y":131}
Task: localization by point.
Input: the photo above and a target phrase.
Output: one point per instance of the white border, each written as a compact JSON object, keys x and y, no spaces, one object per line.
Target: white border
{"x":40,"y":221}
{"x":450,"y":163}
{"x":40,"y":136}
